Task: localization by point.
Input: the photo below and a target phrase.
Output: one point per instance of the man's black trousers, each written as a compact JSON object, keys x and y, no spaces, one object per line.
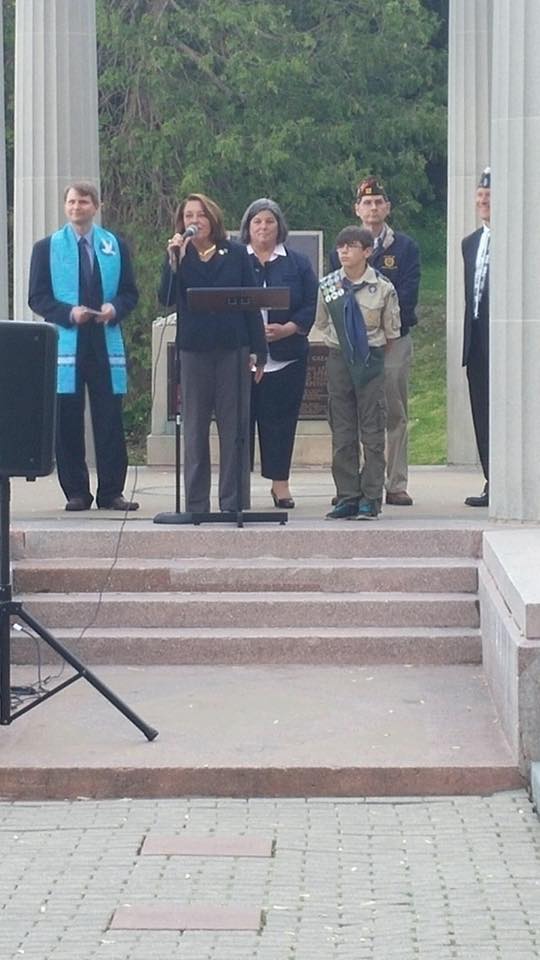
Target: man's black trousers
{"x":110,"y":446}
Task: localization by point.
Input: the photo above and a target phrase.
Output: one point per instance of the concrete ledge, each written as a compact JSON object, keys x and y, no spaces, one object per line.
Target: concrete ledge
{"x":61,"y":783}
{"x":312,"y":446}
{"x":500,"y":652}
{"x":511,"y":659}
{"x":262,"y":731}
{"x":340,"y":539}
{"x":513,"y":560}
{"x":275,"y":645}
{"x":253,"y":609}
{"x":204,"y":574}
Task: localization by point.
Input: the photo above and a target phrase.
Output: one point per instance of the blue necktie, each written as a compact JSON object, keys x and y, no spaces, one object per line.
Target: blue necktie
{"x":87,"y":267}
{"x":354,"y":323}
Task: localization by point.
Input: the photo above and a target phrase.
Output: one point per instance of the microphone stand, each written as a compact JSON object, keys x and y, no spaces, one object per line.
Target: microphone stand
{"x":177,"y":424}
{"x":190,"y":232}
{"x":177,"y":517}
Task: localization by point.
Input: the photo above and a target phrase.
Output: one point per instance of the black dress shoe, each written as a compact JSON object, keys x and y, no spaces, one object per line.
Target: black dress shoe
{"x":119,"y":503}
{"x":78,"y":503}
{"x":286,"y":503}
{"x":481,"y":501}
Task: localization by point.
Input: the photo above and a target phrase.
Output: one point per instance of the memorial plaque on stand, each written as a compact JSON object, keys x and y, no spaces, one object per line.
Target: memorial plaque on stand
{"x":315,"y":402}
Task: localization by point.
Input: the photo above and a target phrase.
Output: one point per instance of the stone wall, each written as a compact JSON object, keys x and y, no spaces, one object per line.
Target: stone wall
{"x":509,"y":588}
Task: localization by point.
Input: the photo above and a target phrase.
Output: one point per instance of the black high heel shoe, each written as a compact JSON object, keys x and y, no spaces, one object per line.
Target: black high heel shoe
{"x":286,"y":503}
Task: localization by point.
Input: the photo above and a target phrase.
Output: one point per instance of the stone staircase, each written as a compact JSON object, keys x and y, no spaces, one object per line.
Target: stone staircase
{"x":262,"y":596}
{"x":230,"y":620}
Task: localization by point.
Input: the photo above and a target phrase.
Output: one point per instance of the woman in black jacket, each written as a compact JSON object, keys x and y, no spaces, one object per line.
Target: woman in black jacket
{"x":209,"y":343}
{"x":276,"y":399}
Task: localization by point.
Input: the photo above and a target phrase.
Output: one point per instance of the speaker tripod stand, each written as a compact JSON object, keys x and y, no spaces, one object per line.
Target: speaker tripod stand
{"x":10,"y":608}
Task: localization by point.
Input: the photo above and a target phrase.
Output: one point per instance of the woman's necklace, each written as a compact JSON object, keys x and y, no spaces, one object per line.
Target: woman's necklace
{"x":206,"y":254}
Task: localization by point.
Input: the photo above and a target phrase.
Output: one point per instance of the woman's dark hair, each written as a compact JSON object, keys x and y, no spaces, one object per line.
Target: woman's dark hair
{"x":264,"y":203}
{"x":213,"y":212}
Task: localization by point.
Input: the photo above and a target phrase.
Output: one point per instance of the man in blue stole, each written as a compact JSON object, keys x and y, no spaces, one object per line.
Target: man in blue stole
{"x":81,"y":279}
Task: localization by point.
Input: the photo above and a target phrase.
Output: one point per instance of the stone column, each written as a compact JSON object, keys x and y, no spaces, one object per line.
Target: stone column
{"x":56,"y":120}
{"x":4,"y":300}
{"x":469,"y":82}
{"x":514,"y":272}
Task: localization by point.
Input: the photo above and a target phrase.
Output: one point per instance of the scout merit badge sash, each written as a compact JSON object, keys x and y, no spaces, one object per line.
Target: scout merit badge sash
{"x":338,"y":293}
{"x":64,"y":265}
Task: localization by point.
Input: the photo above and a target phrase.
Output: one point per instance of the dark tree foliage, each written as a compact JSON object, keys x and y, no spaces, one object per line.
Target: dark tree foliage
{"x":272,"y":96}
{"x":268,"y":98}
{"x":441,"y":10}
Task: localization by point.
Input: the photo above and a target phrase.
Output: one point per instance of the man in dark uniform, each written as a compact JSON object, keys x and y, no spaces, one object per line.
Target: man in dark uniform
{"x":475,"y":249}
{"x":81,"y":280}
{"x":397,"y":257}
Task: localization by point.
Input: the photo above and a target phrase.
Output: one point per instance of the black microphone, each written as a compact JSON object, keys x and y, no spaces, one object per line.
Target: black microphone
{"x":174,"y":255}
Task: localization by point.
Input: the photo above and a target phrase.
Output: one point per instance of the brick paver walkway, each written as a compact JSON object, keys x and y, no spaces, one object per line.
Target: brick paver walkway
{"x":385,"y":879}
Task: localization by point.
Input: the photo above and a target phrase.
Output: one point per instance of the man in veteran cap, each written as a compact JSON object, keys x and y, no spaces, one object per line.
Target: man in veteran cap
{"x":397,"y":257}
{"x":475,"y":249}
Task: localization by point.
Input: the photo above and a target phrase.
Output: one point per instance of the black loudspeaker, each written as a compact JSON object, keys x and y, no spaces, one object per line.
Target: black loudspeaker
{"x":28,"y":354}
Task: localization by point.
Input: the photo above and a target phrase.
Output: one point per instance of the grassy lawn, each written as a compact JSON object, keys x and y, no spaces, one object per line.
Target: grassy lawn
{"x":427,"y":394}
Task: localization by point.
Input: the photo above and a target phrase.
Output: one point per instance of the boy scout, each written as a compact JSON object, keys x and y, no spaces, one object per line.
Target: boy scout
{"x":358,"y":315}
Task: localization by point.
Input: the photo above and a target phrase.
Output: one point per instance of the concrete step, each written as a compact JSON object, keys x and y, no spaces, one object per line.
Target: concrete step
{"x":254,"y":609}
{"x":262,"y":731}
{"x":378,"y":574}
{"x":278,"y":645}
{"x":341,"y":539}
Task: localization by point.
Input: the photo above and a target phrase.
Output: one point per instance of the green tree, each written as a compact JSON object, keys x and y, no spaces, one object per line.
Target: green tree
{"x":268,"y":97}
{"x":272,"y":97}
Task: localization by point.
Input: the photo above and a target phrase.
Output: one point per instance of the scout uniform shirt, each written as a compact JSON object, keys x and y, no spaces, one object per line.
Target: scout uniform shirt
{"x":377,"y":300}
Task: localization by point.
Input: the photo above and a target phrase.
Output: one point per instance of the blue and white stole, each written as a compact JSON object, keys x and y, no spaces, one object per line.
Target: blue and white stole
{"x":64,"y":264}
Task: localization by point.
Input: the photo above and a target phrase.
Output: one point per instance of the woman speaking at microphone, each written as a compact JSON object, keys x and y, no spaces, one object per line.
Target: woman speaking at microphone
{"x":200,"y":255}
